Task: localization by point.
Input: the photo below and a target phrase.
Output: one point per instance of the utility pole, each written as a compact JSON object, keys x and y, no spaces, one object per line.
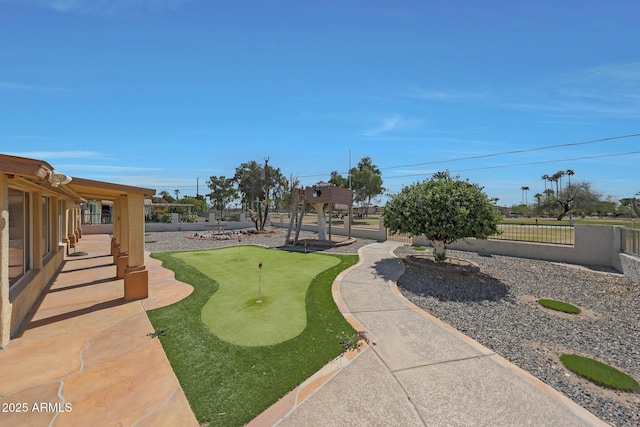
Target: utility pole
{"x":266,"y":178}
{"x":197,"y":186}
{"x":349,"y":170}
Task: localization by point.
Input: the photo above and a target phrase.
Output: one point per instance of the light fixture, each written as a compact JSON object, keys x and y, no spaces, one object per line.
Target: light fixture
{"x":57,"y":178}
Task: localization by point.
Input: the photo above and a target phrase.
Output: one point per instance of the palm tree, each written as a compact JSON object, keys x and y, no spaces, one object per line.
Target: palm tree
{"x":548,"y":192}
{"x":538,"y":197}
{"x":560,"y":175}
{"x":569,"y":173}
{"x":525,"y":199}
{"x":177,"y":193}
{"x":555,"y":178}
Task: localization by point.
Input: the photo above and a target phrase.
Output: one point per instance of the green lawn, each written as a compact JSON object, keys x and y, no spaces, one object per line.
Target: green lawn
{"x":230,"y":384}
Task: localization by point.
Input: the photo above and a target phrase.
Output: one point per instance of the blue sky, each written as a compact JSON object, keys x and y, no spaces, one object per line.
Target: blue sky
{"x":159,"y":93}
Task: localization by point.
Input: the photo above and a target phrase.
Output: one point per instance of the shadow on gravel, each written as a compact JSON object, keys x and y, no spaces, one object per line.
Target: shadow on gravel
{"x":452,"y":287}
{"x":389,"y":268}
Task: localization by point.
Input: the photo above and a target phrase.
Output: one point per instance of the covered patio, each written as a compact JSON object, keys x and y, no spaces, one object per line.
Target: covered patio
{"x":83,"y":355}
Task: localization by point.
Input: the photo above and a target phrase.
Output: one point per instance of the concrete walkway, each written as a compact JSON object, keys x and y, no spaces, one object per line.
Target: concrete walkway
{"x":84,"y":357}
{"x":420,"y":371}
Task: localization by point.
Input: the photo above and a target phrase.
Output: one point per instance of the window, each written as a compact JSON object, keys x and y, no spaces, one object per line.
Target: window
{"x":46,"y":226}
{"x":19,"y":235}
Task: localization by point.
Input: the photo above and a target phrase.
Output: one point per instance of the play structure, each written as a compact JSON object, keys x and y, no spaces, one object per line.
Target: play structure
{"x":323,"y":198}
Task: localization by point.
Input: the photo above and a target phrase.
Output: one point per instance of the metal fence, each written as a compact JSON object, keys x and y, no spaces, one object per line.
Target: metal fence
{"x":400,"y":237}
{"x":553,"y":234}
{"x":630,"y":240}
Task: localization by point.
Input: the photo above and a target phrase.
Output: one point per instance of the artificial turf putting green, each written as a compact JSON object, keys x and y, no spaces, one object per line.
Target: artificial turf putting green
{"x":234,"y":314}
{"x":229,"y":384}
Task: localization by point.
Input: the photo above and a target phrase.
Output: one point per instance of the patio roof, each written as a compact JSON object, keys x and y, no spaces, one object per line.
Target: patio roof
{"x":90,"y":189}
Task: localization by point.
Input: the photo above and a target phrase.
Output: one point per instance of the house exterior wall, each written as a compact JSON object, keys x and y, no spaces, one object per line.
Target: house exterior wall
{"x":17,"y":299}
{"x":46,"y":226}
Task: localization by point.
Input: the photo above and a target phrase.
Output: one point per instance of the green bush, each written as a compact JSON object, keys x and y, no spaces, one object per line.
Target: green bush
{"x":190,"y":218}
{"x":165,"y":217}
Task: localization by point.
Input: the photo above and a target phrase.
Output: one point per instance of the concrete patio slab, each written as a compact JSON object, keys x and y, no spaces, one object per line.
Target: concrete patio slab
{"x":362,"y":394}
{"x":479,"y":391}
{"x":404,"y":340}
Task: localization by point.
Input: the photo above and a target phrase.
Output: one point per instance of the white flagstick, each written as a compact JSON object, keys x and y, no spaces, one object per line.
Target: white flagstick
{"x":259,"y":284}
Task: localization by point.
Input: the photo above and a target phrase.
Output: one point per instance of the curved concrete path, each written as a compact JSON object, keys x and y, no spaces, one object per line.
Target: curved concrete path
{"x":421,"y":372}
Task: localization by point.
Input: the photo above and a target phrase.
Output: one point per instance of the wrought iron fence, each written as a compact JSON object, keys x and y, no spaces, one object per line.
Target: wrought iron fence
{"x":630,"y":240}
{"x":399,"y":237}
{"x":554,"y":234}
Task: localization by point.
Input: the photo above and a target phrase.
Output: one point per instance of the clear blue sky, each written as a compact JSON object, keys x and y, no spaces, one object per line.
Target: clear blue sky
{"x":159,"y":93}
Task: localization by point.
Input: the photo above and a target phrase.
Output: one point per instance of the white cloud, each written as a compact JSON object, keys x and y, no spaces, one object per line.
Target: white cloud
{"x":386,"y":125}
{"x":107,"y":168}
{"x":605,"y":91}
{"x":69,"y":154}
{"x":28,"y":87}
{"x":391,"y":123}
{"x":105,"y":7}
{"x":440,"y":95}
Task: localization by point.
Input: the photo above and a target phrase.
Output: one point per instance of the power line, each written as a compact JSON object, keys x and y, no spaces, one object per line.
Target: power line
{"x":526,"y":150}
{"x":484,"y":156}
{"x":524,"y":164}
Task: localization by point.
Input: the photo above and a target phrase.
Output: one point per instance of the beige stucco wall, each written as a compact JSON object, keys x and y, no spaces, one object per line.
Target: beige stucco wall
{"x":597,"y":245}
{"x":26,"y":293}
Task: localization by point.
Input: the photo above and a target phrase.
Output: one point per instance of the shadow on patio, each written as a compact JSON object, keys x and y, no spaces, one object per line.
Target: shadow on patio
{"x":83,"y":356}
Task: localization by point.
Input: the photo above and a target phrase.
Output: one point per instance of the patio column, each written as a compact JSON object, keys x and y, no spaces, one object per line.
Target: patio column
{"x":123,"y":255}
{"x":136,"y":278}
{"x":70,"y":240}
{"x":5,"y":304}
{"x":115,"y":220}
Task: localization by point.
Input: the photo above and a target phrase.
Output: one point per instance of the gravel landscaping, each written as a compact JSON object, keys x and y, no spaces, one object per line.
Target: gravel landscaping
{"x":497,"y":307}
{"x":178,"y":241}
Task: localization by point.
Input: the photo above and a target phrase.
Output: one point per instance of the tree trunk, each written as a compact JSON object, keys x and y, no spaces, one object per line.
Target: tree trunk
{"x":322,"y":221}
{"x":439,"y":250}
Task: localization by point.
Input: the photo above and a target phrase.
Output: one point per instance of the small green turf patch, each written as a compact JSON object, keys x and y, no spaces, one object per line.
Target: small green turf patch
{"x":150,"y":241}
{"x":419,"y":248}
{"x":599,"y":372}
{"x":229,"y":384}
{"x":559,"y":306}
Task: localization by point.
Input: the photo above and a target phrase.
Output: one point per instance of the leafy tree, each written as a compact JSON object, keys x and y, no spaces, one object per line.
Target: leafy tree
{"x":366,"y":182}
{"x":289,"y":185}
{"x":338,"y":180}
{"x":256,"y":194}
{"x":198,"y":205}
{"x":164,"y":197}
{"x":443,"y":209}
{"x":223,"y":192}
